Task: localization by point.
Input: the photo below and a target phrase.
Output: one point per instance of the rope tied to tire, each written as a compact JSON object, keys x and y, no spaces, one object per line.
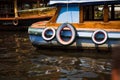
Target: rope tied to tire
{"x":15,"y":22}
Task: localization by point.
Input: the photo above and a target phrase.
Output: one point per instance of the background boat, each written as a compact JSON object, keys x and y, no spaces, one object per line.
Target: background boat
{"x":23,"y":13}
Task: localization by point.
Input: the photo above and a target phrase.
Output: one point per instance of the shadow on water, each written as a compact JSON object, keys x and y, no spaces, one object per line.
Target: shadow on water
{"x":19,"y":60}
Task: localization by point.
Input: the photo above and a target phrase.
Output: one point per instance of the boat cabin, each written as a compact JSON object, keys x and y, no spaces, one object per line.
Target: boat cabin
{"x":79,"y":11}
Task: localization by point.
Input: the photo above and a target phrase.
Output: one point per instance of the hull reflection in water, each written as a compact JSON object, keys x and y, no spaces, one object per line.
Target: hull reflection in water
{"x":19,"y":60}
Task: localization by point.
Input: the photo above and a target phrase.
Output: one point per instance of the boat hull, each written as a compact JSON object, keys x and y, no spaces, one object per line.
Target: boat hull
{"x":83,"y":40}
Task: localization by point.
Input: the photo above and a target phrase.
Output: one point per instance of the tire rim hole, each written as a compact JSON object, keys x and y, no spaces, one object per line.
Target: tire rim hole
{"x":48,"y":33}
{"x":100,"y":36}
{"x":65,"y":34}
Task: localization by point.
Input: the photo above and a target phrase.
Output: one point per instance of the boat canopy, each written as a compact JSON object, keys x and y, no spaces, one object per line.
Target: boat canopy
{"x":52,"y":2}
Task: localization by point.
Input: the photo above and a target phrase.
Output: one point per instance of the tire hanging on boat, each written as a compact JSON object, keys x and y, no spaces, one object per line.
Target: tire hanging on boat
{"x":94,"y":37}
{"x":44,"y":32}
{"x":73,"y":36}
{"x":15,"y":22}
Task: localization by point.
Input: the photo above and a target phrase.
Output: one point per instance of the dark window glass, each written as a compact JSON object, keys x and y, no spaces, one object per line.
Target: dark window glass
{"x":98,"y":12}
{"x":93,"y":13}
{"x":6,"y":9}
{"x":114,"y":12}
{"x":117,"y":11}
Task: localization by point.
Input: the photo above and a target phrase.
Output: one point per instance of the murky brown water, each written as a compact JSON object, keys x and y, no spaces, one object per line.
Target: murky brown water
{"x":19,"y":60}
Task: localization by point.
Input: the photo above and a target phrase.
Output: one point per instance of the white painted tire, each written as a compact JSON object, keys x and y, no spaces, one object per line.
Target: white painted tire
{"x":44,"y":31}
{"x":99,"y":42}
{"x":72,"y":29}
{"x":15,"y":22}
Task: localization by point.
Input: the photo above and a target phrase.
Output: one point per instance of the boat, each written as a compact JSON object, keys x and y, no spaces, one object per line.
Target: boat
{"x":23,"y":12}
{"x":79,"y":24}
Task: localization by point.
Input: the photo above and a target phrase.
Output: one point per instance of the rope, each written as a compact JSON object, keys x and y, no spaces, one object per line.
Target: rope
{"x":67,"y":10}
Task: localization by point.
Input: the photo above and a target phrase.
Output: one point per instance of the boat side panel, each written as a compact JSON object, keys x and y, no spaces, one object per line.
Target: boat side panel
{"x":83,"y":39}
{"x":87,"y":25}
{"x":70,"y":16}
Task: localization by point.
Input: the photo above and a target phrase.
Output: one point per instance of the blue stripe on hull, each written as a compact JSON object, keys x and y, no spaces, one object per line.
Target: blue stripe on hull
{"x":80,"y":33}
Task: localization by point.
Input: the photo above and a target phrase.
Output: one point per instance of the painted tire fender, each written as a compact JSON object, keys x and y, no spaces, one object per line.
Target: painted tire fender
{"x":99,"y":42}
{"x":73,"y":37}
{"x":15,"y":22}
{"x":50,"y":38}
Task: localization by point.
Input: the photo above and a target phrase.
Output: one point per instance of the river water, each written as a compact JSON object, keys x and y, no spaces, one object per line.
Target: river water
{"x":19,"y":60}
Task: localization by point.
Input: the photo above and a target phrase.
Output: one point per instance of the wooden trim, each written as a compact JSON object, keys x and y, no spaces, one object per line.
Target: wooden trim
{"x":93,"y":12}
{"x":54,"y":18}
{"x":92,"y":25}
{"x":81,"y":14}
{"x":106,"y":13}
{"x":112,"y":12}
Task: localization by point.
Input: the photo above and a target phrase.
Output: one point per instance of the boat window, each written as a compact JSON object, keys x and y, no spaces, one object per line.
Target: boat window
{"x":117,"y":11}
{"x":26,"y":6}
{"x":93,"y":13}
{"x":110,"y":11}
{"x":98,"y":12}
{"x":70,"y":15}
{"x":30,"y":5}
{"x":114,"y":12}
{"x":6,"y":9}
